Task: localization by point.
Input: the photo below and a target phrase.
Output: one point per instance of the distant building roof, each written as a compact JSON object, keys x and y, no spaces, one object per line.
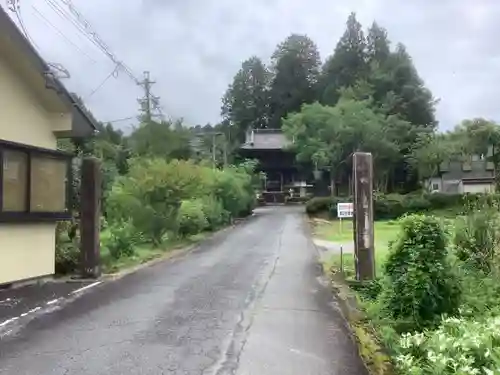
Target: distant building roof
{"x":265,"y":139}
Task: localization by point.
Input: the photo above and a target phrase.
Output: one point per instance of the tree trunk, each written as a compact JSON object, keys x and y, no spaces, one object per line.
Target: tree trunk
{"x":332,"y":184}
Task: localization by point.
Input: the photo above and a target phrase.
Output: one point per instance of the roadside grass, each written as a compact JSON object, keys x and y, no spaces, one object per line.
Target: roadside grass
{"x":144,"y":253}
{"x":342,"y":233}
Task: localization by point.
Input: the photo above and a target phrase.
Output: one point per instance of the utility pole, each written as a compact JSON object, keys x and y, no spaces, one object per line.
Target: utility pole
{"x":148,"y":102}
{"x":214,"y":158}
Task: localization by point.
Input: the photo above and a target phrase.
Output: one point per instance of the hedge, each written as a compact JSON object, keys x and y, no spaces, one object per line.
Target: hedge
{"x":392,"y":206}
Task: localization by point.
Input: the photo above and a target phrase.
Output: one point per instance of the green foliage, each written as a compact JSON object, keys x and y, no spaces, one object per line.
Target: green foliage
{"x":347,"y":65}
{"x":245,"y":103}
{"x":322,"y":205}
{"x":192,"y":218}
{"x":327,"y":136}
{"x":420,"y":285}
{"x":120,"y":239}
{"x":295,"y":66}
{"x":477,"y":237}
{"x":234,"y":188}
{"x":215,"y":213}
{"x":67,"y":256}
{"x":440,"y":201}
{"x":161,"y":140}
{"x":393,"y":206}
{"x":151,"y":194}
{"x":480,"y":291}
{"x":457,"y":347}
{"x":154,"y":191}
{"x":428,"y":153}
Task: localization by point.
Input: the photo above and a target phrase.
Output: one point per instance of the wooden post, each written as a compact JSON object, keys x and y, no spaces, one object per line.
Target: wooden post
{"x":90,"y":216}
{"x":363,"y":216}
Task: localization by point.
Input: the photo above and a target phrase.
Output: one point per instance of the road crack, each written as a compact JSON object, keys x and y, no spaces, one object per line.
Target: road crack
{"x":230,"y":360}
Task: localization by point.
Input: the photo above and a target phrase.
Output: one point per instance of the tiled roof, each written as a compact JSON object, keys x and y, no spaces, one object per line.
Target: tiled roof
{"x":266,"y":140}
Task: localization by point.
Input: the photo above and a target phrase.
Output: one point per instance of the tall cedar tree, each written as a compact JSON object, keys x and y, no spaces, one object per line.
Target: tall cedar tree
{"x":413,"y":101}
{"x":347,"y":65}
{"x":295,"y":64}
{"x":245,"y":101}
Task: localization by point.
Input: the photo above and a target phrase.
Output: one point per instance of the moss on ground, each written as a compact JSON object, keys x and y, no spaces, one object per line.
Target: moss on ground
{"x":371,"y":351}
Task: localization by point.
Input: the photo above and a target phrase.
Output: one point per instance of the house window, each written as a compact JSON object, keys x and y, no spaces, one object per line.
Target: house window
{"x":48,"y":184}
{"x":34,"y":184}
{"x":435,"y":186}
{"x":15,"y":181}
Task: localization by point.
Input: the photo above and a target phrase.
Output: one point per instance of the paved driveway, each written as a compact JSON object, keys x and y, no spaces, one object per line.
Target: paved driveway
{"x":247,"y":302}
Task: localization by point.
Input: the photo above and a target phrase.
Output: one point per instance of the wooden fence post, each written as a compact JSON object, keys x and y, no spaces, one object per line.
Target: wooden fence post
{"x":363,"y":216}
{"x":90,"y":216}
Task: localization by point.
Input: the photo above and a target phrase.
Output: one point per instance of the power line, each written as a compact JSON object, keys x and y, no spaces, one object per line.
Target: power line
{"x":120,"y":119}
{"x":150,"y":101}
{"x":113,"y":73}
{"x":57,"y":69}
{"x":15,"y":7}
{"x":89,"y":30}
{"x":65,"y":15}
{"x":50,"y":24}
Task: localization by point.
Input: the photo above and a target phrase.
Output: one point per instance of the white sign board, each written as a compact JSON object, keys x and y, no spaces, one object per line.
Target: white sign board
{"x":344,"y":210}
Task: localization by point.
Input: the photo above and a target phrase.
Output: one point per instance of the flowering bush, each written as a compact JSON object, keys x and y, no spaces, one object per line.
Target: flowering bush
{"x":458,"y":346}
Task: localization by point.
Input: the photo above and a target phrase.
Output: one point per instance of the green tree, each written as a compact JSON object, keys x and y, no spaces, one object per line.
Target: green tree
{"x":410,"y":99}
{"x":161,"y":139}
{"x":295,"y":64}
{"x":347,"y":65}
{"x":245,"y":103}
{"x":480,"y":137}
{"x":327,"y":136}
{"x":428,"y":153}
{"x":377,"y":44}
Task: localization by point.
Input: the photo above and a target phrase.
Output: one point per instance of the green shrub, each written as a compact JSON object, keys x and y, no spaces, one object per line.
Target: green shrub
{"x":192,"y":219}
{"x":480,"y":292}
{"x":234,"y":188}
{"x":458,"y":346}
{"x":440,"y":201}
{"x":151,"y":193}
{"x":477,"y":237}
{"x":388,"y":206}
{"x":416,"y":203}
{"x":475,"y":201}
{"x":121,"y":239}
{"x":67,"y":255}
{"x":393,"y":206}
{"x":420,"y":285}
{"x":319,"y":205}
{"x":215,"y":213}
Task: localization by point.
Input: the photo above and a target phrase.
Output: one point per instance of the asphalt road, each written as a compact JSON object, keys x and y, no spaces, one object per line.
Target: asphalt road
{"x":247,"y":302}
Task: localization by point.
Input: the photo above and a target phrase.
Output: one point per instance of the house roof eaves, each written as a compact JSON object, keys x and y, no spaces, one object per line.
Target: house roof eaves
{"x":40,"y":64}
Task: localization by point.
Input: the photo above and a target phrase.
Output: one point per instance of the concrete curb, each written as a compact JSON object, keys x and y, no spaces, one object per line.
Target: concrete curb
{"x":346,"y":302}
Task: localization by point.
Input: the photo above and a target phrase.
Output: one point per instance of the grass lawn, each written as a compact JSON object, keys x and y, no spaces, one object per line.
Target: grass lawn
{"x":342,"y":233}
{"x":145,"y":253}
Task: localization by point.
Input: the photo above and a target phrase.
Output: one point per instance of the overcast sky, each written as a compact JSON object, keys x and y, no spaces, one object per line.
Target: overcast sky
{"x":193,"y":48}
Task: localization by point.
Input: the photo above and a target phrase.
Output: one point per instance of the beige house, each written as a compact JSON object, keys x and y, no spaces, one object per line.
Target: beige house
{"x":35,"y":109}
